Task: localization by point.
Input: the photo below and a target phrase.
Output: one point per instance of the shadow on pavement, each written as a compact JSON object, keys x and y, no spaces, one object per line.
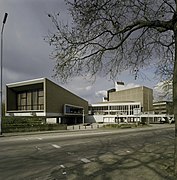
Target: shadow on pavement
{"x":123,"y":160}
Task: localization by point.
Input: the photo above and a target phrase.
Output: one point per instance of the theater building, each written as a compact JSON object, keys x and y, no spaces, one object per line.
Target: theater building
{"x":122,"y":105}
{"x":43,"y":98}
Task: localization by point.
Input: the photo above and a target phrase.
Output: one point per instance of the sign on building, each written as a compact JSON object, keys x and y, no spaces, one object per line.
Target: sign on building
{"x":136,"y":111}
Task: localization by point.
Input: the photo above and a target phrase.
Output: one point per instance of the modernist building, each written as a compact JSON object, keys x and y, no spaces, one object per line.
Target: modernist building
{"x":41,"y":97}
{"x":122,"y":104}
{"x":163,"y":107}
{"x":142,"y":94}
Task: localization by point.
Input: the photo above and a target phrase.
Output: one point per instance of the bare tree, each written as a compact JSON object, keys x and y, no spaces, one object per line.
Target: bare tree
{"x":110,"y":36}
{"x":163,"y":91}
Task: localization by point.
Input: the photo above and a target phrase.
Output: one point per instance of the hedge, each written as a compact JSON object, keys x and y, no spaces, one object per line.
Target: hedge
{"x":22,"y":124}
{"x":122,"y":126}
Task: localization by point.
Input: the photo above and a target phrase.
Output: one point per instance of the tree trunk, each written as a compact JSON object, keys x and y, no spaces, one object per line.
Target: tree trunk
{"x":175,"y":99}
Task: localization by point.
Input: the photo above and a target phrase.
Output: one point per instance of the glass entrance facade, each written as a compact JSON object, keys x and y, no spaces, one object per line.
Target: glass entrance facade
{"x":114,"y":109}
{"x":72,"y":110}
{"x":30,"y":100}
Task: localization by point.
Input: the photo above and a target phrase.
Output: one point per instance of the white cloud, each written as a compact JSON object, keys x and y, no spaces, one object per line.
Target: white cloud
{"x":101,"y":93}
{"x":83,"y":88}
{"x":88,"y":88}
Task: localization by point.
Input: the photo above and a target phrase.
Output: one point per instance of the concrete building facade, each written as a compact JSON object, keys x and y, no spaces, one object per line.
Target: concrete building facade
{"x":141,"y":94}
{"x":163,"y":107}
{"x":42,"y":97}
{"x":122,"y":105}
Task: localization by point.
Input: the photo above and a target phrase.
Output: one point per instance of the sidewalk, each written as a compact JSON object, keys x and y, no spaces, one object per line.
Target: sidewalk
{"x":70,"y":128}
{"x":93,"y":127}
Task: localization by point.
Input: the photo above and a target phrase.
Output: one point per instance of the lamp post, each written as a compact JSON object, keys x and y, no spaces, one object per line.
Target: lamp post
{"x":3,"y":23}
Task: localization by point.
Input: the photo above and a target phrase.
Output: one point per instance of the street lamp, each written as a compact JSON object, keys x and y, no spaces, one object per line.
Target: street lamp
{"x":3,"y":23}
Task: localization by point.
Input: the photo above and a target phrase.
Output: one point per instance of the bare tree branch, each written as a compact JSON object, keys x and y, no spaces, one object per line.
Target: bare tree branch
{"x":102,"y":28}
{"x":107,"y":37}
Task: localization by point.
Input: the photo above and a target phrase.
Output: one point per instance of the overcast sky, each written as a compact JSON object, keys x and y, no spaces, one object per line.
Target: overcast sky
{"x":26,"y":54}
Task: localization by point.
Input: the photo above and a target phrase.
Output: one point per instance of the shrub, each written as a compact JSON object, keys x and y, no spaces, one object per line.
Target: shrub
{"x":28,"y":124}
{"x":120,"y":126}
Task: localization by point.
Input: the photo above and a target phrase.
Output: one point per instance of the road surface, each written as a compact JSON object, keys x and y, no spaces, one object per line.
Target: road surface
{"x":99,"y":155}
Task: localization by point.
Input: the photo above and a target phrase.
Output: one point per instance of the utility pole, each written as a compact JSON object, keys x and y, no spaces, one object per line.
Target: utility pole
{"x":3,"y":23}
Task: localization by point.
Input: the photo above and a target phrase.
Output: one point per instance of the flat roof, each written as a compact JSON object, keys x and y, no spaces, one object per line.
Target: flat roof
{"x":126,"y":89}
{"x":35,"y":83}
{"x":27,"y":82}
{"x":115,"y":103}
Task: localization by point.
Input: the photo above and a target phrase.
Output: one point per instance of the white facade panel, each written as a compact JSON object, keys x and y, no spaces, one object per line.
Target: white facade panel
{"x":51,"y":120}
{"x":31,"y":114}
{"x":109,"y":119}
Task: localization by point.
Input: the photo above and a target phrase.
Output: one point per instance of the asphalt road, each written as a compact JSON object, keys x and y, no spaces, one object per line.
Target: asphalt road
{"x":119,"y":155}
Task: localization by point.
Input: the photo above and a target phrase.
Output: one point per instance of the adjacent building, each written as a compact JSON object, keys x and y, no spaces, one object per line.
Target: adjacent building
{"x":163,"y":107}
{"x":41,"y":97}
{"x":122,"y":105}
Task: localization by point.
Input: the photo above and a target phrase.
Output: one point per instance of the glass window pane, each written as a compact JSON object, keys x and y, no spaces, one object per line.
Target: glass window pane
{"x":29,"y":99}
{"x":34,"y":100}
{"x":23,"y":102}
{"x":35,"y":107}
{"x":41,"y":93}
{"x":41,"y":100}
{"x":23,"y":95}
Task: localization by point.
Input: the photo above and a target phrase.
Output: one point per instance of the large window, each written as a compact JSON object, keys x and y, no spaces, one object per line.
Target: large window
{"x":114,"y":109}
{"x":132,"y":107}
{"x":30,"y":100}
{"x":70,"y":110}
{"x":100,"y":110}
